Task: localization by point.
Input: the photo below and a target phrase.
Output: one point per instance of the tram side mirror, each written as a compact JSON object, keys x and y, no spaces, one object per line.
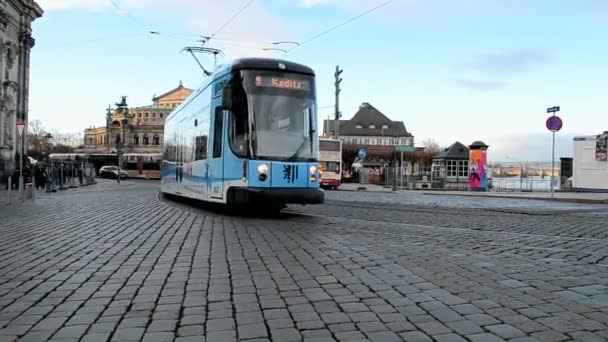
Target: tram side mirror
{"x":227,"y":97}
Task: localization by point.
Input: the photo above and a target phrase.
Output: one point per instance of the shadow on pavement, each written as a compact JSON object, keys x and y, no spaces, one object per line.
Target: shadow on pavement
{"x":250,"y":211}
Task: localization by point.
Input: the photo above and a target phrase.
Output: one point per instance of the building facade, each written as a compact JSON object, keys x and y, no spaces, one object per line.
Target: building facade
{"x":16,"y":17}
{"x":369,"y":127}
{"x":138,"y":129}
{"x":590,"y":163}
{"x":450,"y":169}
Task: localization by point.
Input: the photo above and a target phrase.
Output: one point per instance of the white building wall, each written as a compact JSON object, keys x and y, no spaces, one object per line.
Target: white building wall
{"x":588,"y":173}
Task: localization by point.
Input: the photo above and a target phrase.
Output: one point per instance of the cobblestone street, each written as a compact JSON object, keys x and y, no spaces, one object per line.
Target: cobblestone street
{"x":109,"y":263}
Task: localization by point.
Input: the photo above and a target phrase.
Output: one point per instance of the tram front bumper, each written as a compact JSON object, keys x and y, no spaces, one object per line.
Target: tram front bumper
{"x":238,"y":195}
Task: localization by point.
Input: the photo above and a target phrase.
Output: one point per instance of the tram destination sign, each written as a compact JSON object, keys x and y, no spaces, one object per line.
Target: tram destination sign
{"x":289,"y":83}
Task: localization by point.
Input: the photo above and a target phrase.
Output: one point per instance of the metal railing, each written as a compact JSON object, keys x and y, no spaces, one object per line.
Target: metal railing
{"x":51,"y":176}
{"x":523,"y":184}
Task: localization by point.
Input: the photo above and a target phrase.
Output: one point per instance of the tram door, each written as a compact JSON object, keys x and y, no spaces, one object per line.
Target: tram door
{"x":216,"y":179}
{"x":179,"y":165}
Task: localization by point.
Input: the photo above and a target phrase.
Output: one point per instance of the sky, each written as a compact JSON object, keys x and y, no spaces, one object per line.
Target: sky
{"x":452,"y":70}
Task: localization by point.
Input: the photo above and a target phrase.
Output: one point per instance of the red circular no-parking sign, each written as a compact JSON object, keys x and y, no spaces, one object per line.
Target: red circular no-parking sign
{"x":554,"y":123}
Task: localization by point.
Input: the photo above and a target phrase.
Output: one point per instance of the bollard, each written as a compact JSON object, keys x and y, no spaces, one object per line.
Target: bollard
{"x":73,"y":182}
{"x":10,"y":188}
{"x":61,"y":179}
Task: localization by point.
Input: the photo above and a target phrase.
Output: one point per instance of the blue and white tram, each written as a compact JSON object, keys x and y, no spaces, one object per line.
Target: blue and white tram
{"x":247,"y":136}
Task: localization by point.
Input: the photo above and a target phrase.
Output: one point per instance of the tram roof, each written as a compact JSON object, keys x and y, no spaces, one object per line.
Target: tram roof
{"x":265,"y":63}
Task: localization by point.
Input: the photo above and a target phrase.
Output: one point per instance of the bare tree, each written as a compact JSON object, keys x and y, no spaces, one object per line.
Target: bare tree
{"x":431,"y":150}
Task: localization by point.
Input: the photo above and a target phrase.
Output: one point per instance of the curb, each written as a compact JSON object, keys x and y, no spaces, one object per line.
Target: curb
{"x":569,"y":200}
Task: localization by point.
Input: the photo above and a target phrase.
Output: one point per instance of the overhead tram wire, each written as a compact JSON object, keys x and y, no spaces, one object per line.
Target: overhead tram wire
{"x":150,"y":31}
{"x":205,"y":40}
{"x":340,"y":25}
{"x":231,"y":19}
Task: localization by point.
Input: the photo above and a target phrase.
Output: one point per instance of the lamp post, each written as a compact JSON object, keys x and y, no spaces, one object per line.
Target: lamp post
{"x":121,"y":147}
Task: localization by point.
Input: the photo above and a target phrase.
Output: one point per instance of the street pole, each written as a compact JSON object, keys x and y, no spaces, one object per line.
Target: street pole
{"x":21,"y":180}
{"x":401,"y":171}
{"x":338,"y":80}
{"x":553,"y":165}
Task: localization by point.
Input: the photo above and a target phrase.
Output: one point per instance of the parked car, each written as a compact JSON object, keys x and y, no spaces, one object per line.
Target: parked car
{"x":112,"y":172}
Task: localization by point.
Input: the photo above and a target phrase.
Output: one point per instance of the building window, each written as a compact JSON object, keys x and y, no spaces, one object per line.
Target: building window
{"x":139,"y":115}
{"x":366,"y":141}
{"x":156,"y":140}
{"x":136,"y":139}
{"x":372,"y":126}
{"x":452,"y":168}
{"x":161,"y":115}
{"x":147,"y":114}
{"x":463,"y":168}
{"x":358,"y":126}
{"x":384,"y":126}
{"x":153,"y":115}
{"x":379,"y":142}
{"x":146,"y":139}
{"x":437,"y":170}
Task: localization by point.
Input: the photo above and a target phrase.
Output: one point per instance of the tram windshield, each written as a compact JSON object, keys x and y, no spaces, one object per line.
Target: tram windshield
{"x":277,"y":112}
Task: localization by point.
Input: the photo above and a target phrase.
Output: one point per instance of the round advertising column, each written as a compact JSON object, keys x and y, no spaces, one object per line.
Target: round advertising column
{"x":478,"y":161}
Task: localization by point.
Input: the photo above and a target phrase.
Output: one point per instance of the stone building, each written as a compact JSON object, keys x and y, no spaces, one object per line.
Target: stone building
{"x":16,"y":17}
{"x":140,"y":129}
{"x":370,"y":127}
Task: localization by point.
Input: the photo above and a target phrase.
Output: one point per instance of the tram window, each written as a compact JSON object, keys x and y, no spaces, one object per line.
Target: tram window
{"x":239,"y":121}
{"x":217,"y":132}
{"x":201,"y":148}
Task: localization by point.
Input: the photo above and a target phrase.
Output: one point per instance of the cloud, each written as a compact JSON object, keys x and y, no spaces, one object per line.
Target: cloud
{"x":479,"y":85}
{"x":510,"y":61}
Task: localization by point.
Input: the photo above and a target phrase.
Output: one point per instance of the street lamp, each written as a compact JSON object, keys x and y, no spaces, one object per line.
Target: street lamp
{"x":121,"y":146}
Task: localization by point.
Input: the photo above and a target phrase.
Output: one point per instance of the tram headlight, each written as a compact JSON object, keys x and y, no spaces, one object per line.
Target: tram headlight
{"x":263,"y":169}
{"x":313,"y":173}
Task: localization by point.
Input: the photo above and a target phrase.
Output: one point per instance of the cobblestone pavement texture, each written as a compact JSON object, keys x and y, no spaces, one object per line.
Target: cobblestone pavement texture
{"x":121,"y":264}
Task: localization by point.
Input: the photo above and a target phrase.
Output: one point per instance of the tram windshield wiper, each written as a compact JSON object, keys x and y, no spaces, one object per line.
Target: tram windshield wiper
{"x":308,"y":139}
{"x":299,"y":150}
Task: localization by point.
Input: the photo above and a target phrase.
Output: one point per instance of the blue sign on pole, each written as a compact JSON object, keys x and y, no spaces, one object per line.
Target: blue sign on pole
{"x":362,"y":153}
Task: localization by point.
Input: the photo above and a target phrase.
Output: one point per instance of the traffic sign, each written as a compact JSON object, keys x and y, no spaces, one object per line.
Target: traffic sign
{"x":553,"y":109}
{"x":362,"y":153}
{"x":20,"y":128}
{"x":554,"y":123}
{"x":404,"y":148}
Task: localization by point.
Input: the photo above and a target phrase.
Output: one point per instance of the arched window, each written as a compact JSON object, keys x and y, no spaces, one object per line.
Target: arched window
{"x":139,"y":115}
{"x":156,"y":140}
{"x":147,"y":114}
{"x":153,"y":115}
{"x":146,"y":139}
{"x":136,"y":139}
